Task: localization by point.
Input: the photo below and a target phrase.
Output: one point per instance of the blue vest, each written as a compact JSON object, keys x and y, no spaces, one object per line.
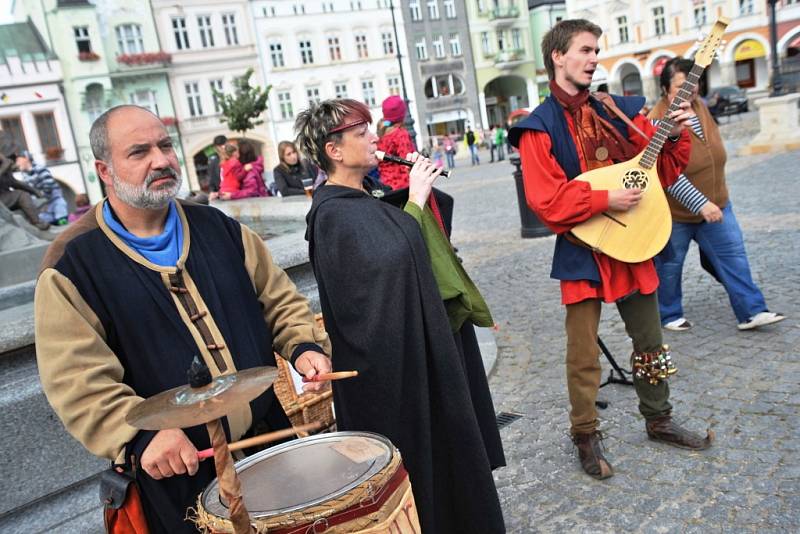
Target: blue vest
{"x":570,"y":261}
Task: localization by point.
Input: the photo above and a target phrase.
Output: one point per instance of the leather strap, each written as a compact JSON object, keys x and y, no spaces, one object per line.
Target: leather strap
{"x":608,"y":102}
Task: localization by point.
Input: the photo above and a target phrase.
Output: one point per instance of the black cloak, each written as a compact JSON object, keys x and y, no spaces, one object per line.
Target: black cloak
{"x":419,"y":385}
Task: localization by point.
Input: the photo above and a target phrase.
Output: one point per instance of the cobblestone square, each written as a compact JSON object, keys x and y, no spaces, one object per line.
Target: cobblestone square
{"x":743,"y":385}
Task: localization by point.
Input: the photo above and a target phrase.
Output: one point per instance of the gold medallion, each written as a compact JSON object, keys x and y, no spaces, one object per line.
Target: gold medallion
{"x":601,"y":154}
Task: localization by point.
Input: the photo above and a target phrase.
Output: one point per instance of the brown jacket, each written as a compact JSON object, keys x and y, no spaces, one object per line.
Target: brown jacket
{"x":706,"y":168}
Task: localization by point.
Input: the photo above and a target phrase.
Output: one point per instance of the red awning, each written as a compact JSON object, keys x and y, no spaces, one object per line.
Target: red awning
{"x":795,"y":43}
{"x":658,"y":66}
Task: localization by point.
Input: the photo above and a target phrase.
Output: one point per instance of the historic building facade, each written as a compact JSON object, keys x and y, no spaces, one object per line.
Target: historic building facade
{"x":442,"y":75}
{"x":639,"y":37}
{"x":332,"y":49}
{"x":32,"y":107}
{"x":505,"y":65}
{"x":543,"y":14}
{"x":109,"y":54}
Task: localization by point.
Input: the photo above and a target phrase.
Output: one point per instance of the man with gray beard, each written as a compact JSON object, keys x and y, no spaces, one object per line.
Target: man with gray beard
{"x":127,"y":297}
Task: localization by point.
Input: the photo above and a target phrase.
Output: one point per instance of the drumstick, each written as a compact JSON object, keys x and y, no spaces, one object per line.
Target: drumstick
{"x":263,"y":438}
{"x":383,"y":156}
{"x":331,"y":376}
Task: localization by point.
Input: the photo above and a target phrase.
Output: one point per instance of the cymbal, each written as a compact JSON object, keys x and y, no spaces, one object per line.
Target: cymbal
{"x":186,"y":406}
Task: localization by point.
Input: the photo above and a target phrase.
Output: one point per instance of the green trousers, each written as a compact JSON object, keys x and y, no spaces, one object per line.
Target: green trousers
{"x":640,"y":315}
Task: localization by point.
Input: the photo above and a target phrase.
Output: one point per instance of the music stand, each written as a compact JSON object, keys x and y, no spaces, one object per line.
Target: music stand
{"x":620,"y":379}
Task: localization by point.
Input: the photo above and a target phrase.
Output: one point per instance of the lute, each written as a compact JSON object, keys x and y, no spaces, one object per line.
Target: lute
{"x":642,"y":232}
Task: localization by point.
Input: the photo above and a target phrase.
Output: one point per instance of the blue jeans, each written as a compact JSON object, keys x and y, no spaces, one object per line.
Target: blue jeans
{"x":723,"y":245}
{"x":451,"y":160}
{"x":473,"y":154}
{"x":56,"y":209}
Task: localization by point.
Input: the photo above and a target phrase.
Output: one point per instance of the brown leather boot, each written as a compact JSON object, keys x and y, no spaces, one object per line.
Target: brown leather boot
{"x":665,"y":430}
{"x":591,"y":455}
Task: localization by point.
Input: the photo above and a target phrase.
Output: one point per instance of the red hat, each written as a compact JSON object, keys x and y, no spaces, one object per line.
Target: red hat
{"x":394,"y":109}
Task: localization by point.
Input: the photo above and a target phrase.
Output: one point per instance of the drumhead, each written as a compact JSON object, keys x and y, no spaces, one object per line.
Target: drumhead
{"x":305,"y":472}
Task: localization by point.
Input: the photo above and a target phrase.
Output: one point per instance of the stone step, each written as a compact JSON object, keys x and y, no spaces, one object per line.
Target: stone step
{"x":75,"y":510}
{"x":38,"y":457}
{"x":17,"y":294}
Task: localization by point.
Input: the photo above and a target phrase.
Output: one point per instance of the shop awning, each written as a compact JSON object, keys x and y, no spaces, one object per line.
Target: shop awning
{"x":795,"y":43}
{"x":749,"y":49}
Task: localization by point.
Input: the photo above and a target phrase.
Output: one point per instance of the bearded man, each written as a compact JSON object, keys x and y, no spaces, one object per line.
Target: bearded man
{"x":131,"y":293}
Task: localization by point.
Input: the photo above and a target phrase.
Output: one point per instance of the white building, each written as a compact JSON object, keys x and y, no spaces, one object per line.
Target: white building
{"x":211,"y":43}
{"x":330,"y":49}
{"x":640,"y":36}
{"x":32,"y":104}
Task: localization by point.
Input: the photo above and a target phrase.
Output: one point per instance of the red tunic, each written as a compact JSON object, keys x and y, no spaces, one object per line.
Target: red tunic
{"x":562,"y":204}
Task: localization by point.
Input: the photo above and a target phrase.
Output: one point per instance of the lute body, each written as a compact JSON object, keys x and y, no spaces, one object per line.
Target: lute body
{"x":637,"y":234}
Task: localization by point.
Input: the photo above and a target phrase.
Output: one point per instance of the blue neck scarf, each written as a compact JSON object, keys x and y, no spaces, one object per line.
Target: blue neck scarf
{"x":163,"y":249}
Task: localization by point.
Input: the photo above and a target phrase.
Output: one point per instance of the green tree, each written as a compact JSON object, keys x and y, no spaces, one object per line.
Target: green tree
{"x":242,"y":108}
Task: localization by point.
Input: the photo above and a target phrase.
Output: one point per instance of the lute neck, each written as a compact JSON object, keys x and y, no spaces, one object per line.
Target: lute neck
{"x":666,"y":124}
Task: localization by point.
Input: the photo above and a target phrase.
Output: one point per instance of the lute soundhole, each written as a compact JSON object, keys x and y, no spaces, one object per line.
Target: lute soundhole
{"x":635,"y":178}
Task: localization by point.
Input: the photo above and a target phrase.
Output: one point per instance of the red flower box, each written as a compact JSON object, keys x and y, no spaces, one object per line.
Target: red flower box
{"x":88,"y":56}
{"x":169,"y":121}
{"x":145,"y":58}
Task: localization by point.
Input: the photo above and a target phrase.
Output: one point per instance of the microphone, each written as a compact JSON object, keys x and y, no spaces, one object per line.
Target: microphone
{"x":383,"y":156}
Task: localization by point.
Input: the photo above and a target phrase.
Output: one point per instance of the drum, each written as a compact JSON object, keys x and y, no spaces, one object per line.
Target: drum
{"x":331,"y":483}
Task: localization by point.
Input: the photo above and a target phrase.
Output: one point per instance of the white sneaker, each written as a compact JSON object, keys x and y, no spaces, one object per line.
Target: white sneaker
{"x":678,"y":325}
{"x":761,"y":319}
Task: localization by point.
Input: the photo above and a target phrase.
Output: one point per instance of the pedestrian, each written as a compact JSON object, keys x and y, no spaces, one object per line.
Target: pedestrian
{"x":123,"y":304}
{"x":293,"y":174}
{"x":568,"y":134}
{"x":55,"y":210}
{"x":82,"y":205}
{"x":472,"y":145}
{"x":214,"y":160}
{"x":421,"y":380}
{"x":710,"y":221}
{"x":500,"y":141}
{"x":395,"y":141}
{"x":16,"y":194}
{"x":251,"y":169}
{"x":450,"y":149}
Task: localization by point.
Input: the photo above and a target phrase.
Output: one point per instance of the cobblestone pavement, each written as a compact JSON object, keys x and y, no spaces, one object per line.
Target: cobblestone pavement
{"x":744,"y":385}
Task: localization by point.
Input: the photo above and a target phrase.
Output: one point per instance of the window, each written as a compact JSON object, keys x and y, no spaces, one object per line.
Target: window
{"x":422,"y":49}
{"x":306,"y":55}
{"x":368,"y":91}
{"x":270,"y":13}
{"x":94,"y":101}
{"x":216,"y":85}
{"x":501,"y":40}
{"x":340,"y":90}
{"x":334,"y":49}
{"x":82,"y":38}
{"x":361,"y":45}
{"x":129,"y":39}
{"x":443,"y":85}
{"x":276,"y":54}
{"x":433,"y":9}
{"x":486,"y":46}
{"x":481,"y":6}
{"x":193,"y":98}
{"x":700,"y":16}
{"x":313,"y":95}
{"x":413,"y":6}
{"x":46,"y":128}
{"x":229,"y":24}
{"x":181,"y":35}
{"x":285,"y":105}
{"x":206,"y":34}
{"x":516,"y":39}
{"x":745,"y":7}
{"x":388,"y":43}
{"x":450,"y":9}
{"x":146,"y":99}
{"x":393,"y":82}
{"x":438,"y":46}
{"x":13,"y":125}
{"x":659,"y":20}
{"x":455,"y":45}
{"x":622,"y":27}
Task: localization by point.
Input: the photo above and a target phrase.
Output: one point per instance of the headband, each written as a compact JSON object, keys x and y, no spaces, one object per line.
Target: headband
{"x":347,"y":125}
